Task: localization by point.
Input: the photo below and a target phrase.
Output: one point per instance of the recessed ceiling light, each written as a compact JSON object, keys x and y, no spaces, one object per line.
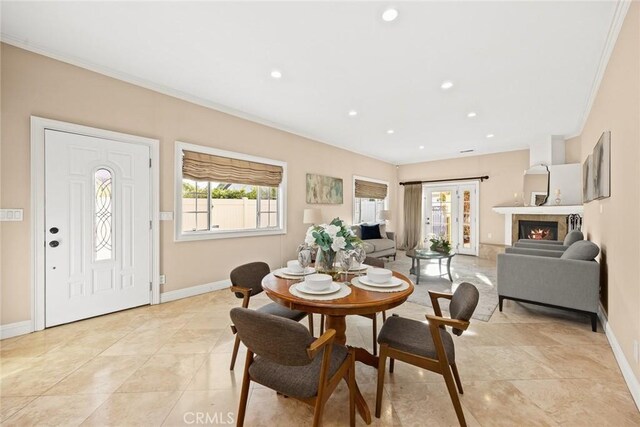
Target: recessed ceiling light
{"x":472,"y":114}
{"x":447,"y":84}
{"x":353,"y":113}
{"x":389,"y":15}
{"x":421,"y":147}
{"x":391,"y":131}
{"x":276,"y":74}
{"x":490,"y":135}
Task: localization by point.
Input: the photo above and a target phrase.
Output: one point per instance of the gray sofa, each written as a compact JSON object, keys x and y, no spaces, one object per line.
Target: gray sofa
{"x":378,"y":248}
{"x":571,"y":281}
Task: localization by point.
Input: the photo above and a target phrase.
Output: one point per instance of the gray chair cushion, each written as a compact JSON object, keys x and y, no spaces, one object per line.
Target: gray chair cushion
{"x":381,"y":244}
{"x":280,"y":340}
{"x":249,"y":276}
{"x":295,"y":381}
{"x":282,"y":311}
{"x":583,"y":250}
{"x":463,"y":303}
{"x":414,"y":337}
{"x":572,"y":237}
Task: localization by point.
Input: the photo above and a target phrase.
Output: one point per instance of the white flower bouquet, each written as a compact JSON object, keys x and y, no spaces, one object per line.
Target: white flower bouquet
{"x":328,"y":239}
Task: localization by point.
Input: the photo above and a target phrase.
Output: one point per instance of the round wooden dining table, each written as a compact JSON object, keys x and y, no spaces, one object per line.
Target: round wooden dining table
{"x":358,"y":302}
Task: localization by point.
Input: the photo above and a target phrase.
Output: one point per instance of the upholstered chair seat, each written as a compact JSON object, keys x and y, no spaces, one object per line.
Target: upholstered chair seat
{"x":282,"y":311}
{"x":414,"y":337}
{"x":299,"y":381}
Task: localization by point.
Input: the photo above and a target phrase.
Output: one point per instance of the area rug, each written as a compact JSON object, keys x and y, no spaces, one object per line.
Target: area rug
{"x":479,"y":272}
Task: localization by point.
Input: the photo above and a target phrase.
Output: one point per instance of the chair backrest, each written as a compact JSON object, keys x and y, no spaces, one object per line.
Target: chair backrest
{"x":249,"y":276}
{"x":282,"y":341}
{"x":572,"y":237}
{"x":463,"y":303}
{"x":374,"y":262}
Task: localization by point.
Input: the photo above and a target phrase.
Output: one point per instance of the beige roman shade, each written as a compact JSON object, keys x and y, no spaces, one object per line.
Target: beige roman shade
{"x":370,"y":190}
{"x":207,"y":167}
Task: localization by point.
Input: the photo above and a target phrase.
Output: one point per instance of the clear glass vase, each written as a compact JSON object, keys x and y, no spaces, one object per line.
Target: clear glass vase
{"x":325,"y":261}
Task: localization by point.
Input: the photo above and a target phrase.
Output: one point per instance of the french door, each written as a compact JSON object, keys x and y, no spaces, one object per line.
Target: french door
{"x":451,"y":211}
{"x":97,"y":226}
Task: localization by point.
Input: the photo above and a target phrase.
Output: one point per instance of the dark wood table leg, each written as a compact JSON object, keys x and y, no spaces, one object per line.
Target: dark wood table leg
{"x":418,"y":272}
{"x":339,"y":324}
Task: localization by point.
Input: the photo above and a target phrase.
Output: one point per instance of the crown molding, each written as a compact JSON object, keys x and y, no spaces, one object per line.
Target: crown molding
{"x":612,"y":37}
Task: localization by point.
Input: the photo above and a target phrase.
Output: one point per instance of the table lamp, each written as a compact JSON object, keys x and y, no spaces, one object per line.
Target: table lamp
{"x":312,"y":216}
{"x":385,"y":215}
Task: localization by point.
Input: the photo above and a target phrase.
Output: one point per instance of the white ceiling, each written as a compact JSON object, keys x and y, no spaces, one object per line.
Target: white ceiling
{"x":527,"y":68}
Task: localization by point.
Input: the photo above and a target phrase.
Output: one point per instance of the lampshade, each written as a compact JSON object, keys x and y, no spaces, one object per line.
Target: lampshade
{"x":312,"y":216}
{"x":385,"y":215}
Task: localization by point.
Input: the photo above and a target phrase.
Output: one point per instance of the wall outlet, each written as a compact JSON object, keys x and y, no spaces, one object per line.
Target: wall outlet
{"x":601,"y":208}
{"x":635,"y":350}
{"x":11,"y":215}
{"x":489,"y":235}
{"x":163,"y":279}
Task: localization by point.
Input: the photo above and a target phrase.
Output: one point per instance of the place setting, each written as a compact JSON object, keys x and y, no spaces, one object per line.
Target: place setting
{"x":379,"y":280}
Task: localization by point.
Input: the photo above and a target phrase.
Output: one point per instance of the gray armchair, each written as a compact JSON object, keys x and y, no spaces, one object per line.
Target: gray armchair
{"x":570,"y":282}
{"x":551,"y":245}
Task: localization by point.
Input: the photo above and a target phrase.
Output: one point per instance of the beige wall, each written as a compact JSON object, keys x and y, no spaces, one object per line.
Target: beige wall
{"x":505,"y":172}
{"x":613,"y":223}
{"x":36,"y":85}
{"x":572,"y":150}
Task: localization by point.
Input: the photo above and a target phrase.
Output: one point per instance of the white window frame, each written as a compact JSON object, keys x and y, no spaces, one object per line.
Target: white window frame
{"x":181,"y":236}
{"x":353,"y":195}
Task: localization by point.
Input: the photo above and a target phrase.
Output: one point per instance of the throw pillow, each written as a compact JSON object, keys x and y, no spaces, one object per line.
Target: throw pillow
{"x":383,"y":231}
{"x":572,"y":237}
{"x":583,"y":250}
{"x":370,"y":232}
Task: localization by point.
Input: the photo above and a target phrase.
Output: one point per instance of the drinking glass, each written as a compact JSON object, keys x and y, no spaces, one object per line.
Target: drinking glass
{"x":304,"y":257}
{"x":345,"y":259}
{"x":359,"y":255}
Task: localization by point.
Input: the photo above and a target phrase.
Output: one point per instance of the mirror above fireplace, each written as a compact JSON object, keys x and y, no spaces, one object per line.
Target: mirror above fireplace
{"x":536,"y":185}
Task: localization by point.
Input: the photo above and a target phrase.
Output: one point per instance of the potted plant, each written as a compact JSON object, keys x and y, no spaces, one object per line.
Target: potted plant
{"x":328,"y":239}
{"x":440,"y":244}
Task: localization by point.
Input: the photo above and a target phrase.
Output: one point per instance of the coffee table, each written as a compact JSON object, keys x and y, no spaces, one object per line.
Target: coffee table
{"x":417,"y":255}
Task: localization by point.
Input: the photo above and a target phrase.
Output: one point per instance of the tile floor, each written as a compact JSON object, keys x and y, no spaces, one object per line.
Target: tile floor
{"x":169,"y":365}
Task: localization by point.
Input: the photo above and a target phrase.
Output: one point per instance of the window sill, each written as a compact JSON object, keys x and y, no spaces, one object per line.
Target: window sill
{"x":232,"y":234}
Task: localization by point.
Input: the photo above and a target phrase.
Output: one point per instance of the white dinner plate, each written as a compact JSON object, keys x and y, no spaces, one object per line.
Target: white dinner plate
{"x":394,"y":281}
{"x":362,"y":267}
{"x":333,"y":288}
{"x":308,"y":270}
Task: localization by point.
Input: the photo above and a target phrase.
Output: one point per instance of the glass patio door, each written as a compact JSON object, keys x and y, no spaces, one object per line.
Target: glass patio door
{"x":451,"y":212}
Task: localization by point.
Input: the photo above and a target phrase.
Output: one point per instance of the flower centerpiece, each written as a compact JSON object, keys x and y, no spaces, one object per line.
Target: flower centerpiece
{"x":440,"y":244}
{"x":328,"y":239}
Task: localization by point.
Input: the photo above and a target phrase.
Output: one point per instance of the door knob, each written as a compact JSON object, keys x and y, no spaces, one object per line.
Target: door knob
{"x":54,"y":243}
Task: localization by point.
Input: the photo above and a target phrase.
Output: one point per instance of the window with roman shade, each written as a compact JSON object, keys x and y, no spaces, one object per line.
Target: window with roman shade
{"x":369,"y":200}
{"x":227,"y":194}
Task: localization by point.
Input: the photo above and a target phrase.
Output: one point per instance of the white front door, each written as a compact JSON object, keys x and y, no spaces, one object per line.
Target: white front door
{"x":451,"y":212}
{"x":97,"y":226}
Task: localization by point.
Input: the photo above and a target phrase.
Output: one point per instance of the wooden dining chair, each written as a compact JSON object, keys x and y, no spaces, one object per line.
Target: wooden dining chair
{"x":283,"y":356}
{"x":373,"y":262}
{"x":429,"y":346}
{"x":246,"y":281}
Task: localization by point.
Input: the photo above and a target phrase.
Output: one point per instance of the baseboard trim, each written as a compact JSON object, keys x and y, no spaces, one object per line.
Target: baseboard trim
{"x":15,"y":329}
{"x":194,"y":290}
{"x":623,"y":363}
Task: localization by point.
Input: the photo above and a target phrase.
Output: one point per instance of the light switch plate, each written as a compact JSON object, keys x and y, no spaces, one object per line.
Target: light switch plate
{"x":166,"y":216}
{"x":11,"y":215}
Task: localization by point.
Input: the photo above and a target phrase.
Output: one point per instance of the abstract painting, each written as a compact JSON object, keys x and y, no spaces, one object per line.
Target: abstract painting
{"x":602,"y":167}
{"x":587,"y":179}
{"x":324,"y":189}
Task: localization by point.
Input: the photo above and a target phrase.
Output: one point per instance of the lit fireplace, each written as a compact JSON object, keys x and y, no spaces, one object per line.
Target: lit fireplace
{"x":538,"y":230}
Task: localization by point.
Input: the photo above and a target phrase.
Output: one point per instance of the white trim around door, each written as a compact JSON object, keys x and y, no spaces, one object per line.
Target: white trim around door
{"x":38,"y":127}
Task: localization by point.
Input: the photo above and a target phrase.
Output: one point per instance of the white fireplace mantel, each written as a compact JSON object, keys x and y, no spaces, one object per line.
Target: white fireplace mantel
{"x":509,"y":211}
